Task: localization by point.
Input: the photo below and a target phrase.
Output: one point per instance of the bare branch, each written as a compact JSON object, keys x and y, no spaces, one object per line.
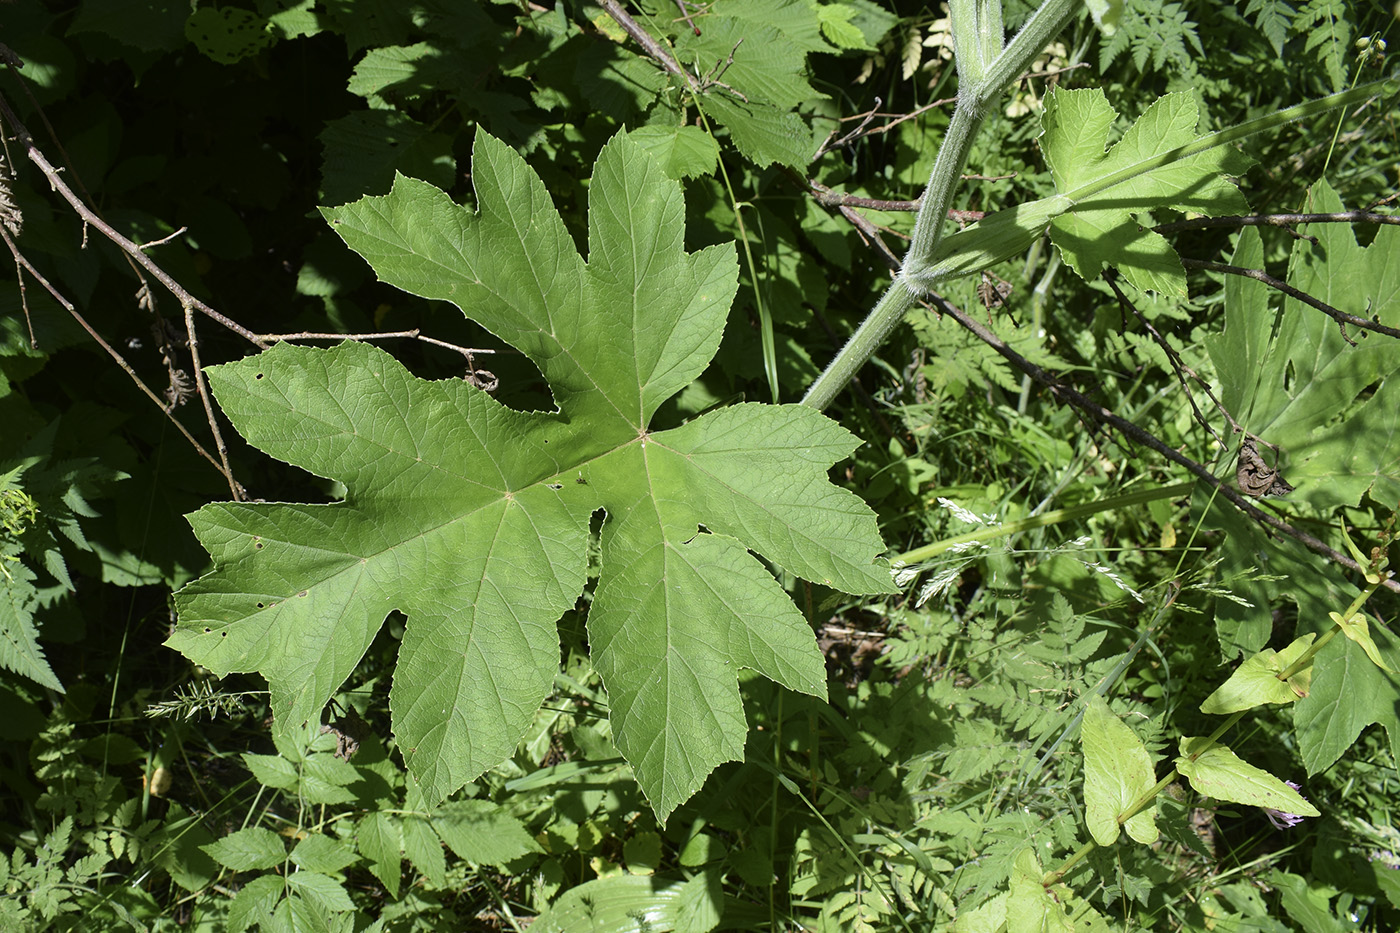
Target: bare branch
{"x":1341,"y":317}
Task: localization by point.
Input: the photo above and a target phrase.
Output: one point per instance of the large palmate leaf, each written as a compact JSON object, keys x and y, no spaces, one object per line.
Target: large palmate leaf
{"x":1333,"y":411}
{"x":1290,"y":377}
{"x":472,"y":519}
{"x":1099,"y":214}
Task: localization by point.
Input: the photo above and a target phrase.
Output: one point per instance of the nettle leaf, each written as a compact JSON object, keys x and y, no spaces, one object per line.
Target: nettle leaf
{"x":472,"y":519}
{"x":1087,"y":217}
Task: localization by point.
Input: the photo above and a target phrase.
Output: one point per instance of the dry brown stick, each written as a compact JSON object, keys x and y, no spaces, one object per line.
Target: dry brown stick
{"x":1179,"y":367}
{"x":648,"y":44}
{"x":126,"y":367}
{"x":133,"y":250}
{"x":413,"y":334}
{"x":234,"y":486}
{"x":1341,"y":317}
{"x":1141,"y":436}
{"x":1279,"y":220}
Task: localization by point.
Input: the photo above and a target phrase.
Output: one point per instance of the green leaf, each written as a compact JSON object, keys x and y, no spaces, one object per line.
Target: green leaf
{"x":482,"y":833}
{"x":424,"y":849}
{"x":1219,"y":773}
{"x":322,"y":890}
{"x":248,"y":849}
{"x":1256,"y":681}
{"x":321,"y":853}
{"x":682,"y":151}
{"x":1348,"y":693}
{"x":379,"y":841}
{"x":628,"y":903}
{"x":1331,"y":408}
{"x":837,"y":27}
{"x":1029,"y":907}
{"x":1086,"y":220}
{"x":365,"y":149}
{"x":1117,"y":771}
{"x":1358,"y":629}
{"x":1098,"y":231}
{"x":227,"y":34}
{"x":472,"y":519}
{"x":272,"y":770}
{"x":255,"y":902}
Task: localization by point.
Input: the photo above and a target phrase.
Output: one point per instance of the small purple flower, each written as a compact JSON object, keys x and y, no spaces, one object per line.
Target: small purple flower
{"x":1280,"y":819}
{"x":1387,"y":858}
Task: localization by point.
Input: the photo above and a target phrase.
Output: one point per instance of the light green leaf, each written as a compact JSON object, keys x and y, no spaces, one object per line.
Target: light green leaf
{"x":1117,"y":771}
{"x":322,"y":890}
{"x":629,"y":904}
{"x":838,"y":28}
{"x":472,"y":519}
{"x":1331,"y":408}
{"x":272,"y":770}
{"x":1100,"y":231}
{"x":1358,"y":629}
{"x":1029,"y":907}
{"x":1349,"y":692}
{"x":1087,"y":216}
{"x":682,"y":151}
{"x":248,"y":849}
{"x":482,"y":833}
{"x":1220,"y":773}
{"x":321,"y":853}
{"x":379,"y":841}
{"x":254,"y":903}
{"x":1256,"y":681}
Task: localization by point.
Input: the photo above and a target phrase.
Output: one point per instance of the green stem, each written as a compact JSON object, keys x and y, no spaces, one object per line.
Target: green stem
{"x":1045,"y":518}
{"x":982,"y":19}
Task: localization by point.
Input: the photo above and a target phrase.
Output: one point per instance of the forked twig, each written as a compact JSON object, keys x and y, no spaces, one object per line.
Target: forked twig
{"x":1341,"y":317}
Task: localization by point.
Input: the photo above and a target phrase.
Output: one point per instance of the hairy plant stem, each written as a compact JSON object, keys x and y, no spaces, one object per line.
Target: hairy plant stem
{"x":984,"y":71}
{"x":919,"y":274}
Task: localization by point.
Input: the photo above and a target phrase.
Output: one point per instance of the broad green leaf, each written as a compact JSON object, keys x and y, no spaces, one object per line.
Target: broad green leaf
{"x":248,"y":849}
{"x":1220,"y":773}
{"x":272,"y":770}
{"x":1256,"y":681}
{"x":482,"y":833}
{"x":1087,"y":216}
{"x":768,"y":72}
{"x":319,"y":852}
{"x":472,"y":519}
{"x":1349,"y":692}
{"x":629,"y":904}
{"x":1100,"y":231}
{"x":1029,"y":907}
{"x":322,"y":890}
{"x":682,"y":151}
{"x":1117,"y":771}
{"x":423,"y":848}
{"x":379,"y":841}
{"x":1291,"y":379}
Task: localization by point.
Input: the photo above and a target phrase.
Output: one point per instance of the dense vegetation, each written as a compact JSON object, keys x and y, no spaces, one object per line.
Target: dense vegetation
{"x":569,"y":593}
